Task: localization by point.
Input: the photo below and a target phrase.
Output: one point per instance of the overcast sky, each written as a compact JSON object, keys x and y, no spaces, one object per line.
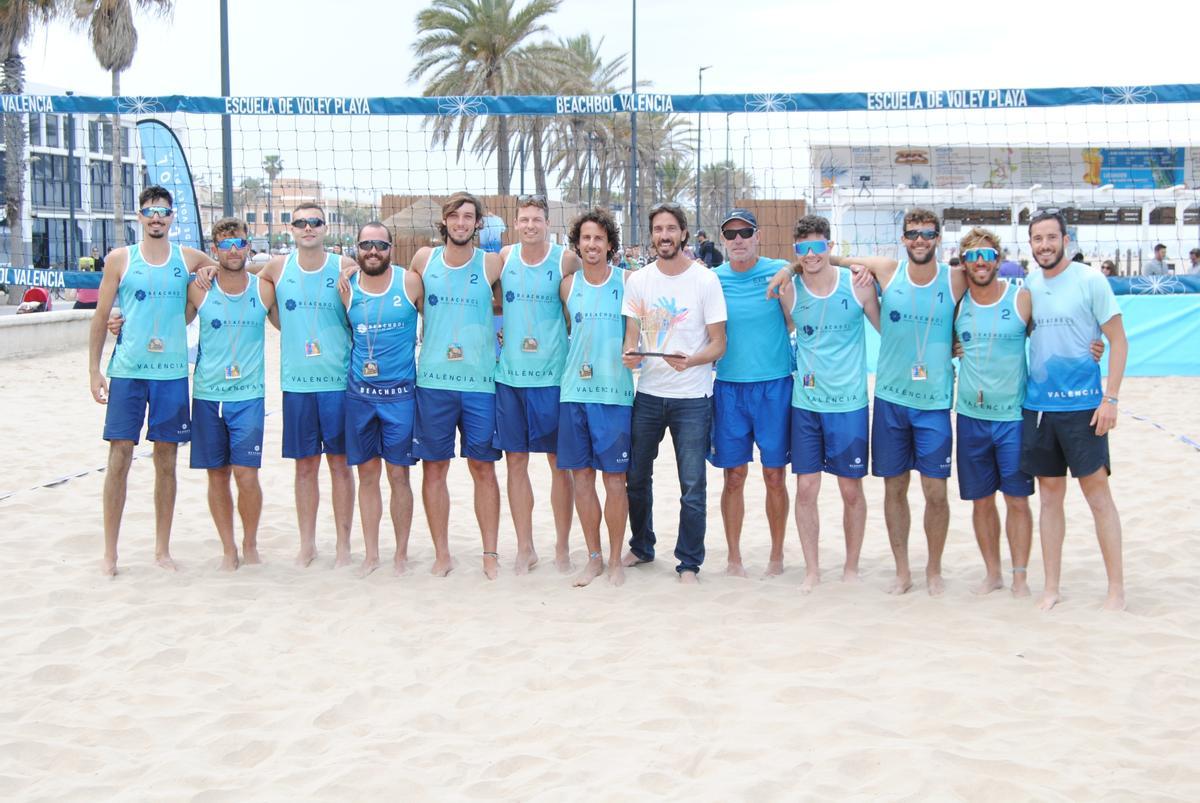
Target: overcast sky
{"x":363,"y":47}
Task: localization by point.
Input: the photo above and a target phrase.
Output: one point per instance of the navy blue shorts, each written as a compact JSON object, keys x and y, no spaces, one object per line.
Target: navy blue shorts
{"x":989,"y":458}
{"x":379,"y":429}
{"x":314,"y":423}
{"x":904,"y":438}
{"x":835,"y":443}
{"x":441,"y":412}
{"x":750,"y":413}
{"x":1052,"y":442}
{"x":594,"y":436}
{"x":227,"y":433}
{"x":526,"y":419}
{"x":167,"y":400}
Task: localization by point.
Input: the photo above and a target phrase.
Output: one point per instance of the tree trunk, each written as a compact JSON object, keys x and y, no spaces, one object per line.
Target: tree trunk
{"x":539,"y":167}
{"x":503,"y":167}
{"x":118,"y":172}
{"x":13,"y":83}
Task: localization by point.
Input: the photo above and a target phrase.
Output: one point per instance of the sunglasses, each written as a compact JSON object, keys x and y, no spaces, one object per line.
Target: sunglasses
{"x":928,"y":235}
{"x":733,"y":234}
{"x":156,"y":211}
{"x":233,"y":242}
{"x":310,"y":222}
{"x":975,"y":254}
{"x":374,"y":245}
{"x":807,"y":247}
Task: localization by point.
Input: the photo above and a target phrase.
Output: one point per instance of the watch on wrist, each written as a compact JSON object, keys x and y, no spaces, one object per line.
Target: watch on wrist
{"x":1111,"y":400}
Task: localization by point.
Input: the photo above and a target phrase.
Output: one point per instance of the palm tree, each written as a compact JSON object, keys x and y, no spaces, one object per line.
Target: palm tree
{"x":475,"y":48}
{"x":249,"y":193}
{"x":272,"y":166}
{"x":114,"y":41}
{"x":17,"y":21}
{"x":721,"y":184}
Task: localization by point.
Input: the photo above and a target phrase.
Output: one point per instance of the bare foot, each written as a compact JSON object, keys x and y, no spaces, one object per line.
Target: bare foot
{"x":165,"y":563}
{"x":934,"y":584}
{"x":774,"y":568}
{"x":851,"y":575}
{"x":524,"y":563}
{"x":441,"y":566}
{"x":1115,"y":601}
{"x":250,"y":554}
{"x":399,"y":565}
{"x":367,"y":566}
{"x":689,"y":578}
{"x":593,"y":569}
{"x":616,"y":573}
{"x":901,"y":584}
{"x":988,"y":584}
{"x":1049,"y":600}
{"x":1020,"y":588}
{"x":229,"y":561}
{"x":343,"y":557}
{"x":562,"y":560}
{"x":811,"y":581}
{"x":491,"y":566}
{"x":108,"y":566}
{"x":631,"y":559}
{"x":735,"y":569}
{"x":306,"y":555}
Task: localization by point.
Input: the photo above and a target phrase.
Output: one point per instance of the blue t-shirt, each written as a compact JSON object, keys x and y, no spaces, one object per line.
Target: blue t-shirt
{"x":757,"y":348}
{"x":458,"y":350}
{"x":1067,"y":313}
{"x":535,"y":334}
{"x":993,"y":362}
{"x":229,"y":362}
{"x":916,"y":328}
{"x":831,"y":348}
{"x":597,"y":333}
{"x":315,"y":336}
{"x":153,"y":339}
{"x":383,"y":329}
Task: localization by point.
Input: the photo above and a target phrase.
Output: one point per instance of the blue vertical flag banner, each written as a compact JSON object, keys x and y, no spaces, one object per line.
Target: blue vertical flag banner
{"x":168,"y":167}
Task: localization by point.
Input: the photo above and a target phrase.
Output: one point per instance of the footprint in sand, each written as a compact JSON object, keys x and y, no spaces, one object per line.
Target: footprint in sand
{"x":69,"y":639}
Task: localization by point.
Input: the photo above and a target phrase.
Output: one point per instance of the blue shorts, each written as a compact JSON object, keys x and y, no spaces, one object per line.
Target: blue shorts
{"x":379,"y":429}
{"x":903,"y":438}
{"x":167,"y":399}
{"x":441,"y":412}
{"x":314,"y":423}
{"x":835,"y":443}
{"x":227,"y":433}
{"x":749,"y":413}
{"x":594,"y":436}
{"x":989,"y":458}
{"x":526,"y":419}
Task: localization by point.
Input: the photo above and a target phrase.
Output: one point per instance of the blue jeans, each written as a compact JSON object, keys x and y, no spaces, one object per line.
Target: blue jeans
{"x":690,"y":422}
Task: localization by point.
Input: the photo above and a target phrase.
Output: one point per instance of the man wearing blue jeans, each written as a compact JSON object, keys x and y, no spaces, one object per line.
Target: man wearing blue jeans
{"x":676,"y":309}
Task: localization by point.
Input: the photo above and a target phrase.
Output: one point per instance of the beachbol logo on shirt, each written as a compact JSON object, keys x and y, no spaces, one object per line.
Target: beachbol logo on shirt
{"x":362,"y":328}
{"x":510,"y":295}
{"x":216,"y":324}
{"x":965,"y":337}
{"x":894,"y":315}
{"x":808,"y":330}
{"x":140,"y":295}
{"x":579,"y":317}
{"x":433,"y":300}
{"x":291,"y":304}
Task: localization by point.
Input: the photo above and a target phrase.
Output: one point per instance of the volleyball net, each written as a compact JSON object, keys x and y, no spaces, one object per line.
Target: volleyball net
{"x":1123,"y":163}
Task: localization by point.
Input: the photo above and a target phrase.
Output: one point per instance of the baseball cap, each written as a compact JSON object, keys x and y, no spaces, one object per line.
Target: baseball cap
{"x":744,"y":215}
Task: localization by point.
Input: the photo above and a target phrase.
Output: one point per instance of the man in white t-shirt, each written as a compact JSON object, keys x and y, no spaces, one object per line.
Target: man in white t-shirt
{"x":675,"y":329}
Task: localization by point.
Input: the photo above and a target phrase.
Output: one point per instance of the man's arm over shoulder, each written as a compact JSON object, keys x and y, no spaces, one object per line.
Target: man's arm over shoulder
{"x":414,"y":288}
{"x":195,"y":260}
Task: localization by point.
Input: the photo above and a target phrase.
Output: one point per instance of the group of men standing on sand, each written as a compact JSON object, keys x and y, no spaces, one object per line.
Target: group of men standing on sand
{"x":380,"y":365}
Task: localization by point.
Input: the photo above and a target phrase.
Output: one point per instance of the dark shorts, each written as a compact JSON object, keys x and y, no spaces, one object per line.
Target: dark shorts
{"x":989,"y":458}
{"x":526,"y":419}
{"x":835,"y":443}
{"x":170,"y":419}
{"x":379,"y":429}
{"x":441,"y":413}
{"x":314,"y":423}
{"x":750,"y":413}
{"x":904,"y":438}
{"x":1060,"y":441}
{"x":594,"y":436}
{"x":227,"y":433}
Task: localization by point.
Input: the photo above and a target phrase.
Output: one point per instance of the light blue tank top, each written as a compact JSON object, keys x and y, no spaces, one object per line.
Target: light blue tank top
{"x":993,"y":366}
{"x":457,"y":352}
{"x":153,"y":339}
{"x":831,"y":348}
{"x":384,"y":331}
{"x":597,"y":332}
{"x":757,"y":347}
{"x":535,"y":334}
{"x":916,"y":326}
{"x":314,"y":337}
{"x":229,"y":362}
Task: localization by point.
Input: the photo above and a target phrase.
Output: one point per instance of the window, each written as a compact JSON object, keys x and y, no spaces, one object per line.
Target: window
{"x":52,"y":131}
{"x":285,"y":217}
{"x":251,"y":217}
{"x":100,"y":180}
{"x":99,"y":136}
{"x":49,"y":181}
{"x":35,"y":129}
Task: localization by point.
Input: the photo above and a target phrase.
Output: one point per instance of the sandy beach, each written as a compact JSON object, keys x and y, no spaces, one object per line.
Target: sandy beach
{"x":276,"y":683}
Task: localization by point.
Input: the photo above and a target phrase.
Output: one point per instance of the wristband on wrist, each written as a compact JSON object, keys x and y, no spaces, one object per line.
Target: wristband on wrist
{"x":1111,"y":400}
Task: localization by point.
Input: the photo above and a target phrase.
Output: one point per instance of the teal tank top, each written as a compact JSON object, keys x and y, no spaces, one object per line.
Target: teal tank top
{"x":153,"y":299}
{"x":831,"y":348}
{"x":916,"y":326}
{"x":384,"y":331}
{"x":229,"y":362}
{"x":457,"y":352}
{"x":594,"y":373}
{"x":757,"y":347}
{"x":314,"y":336}
{"x":535,"y":335}
{"x":992,"y":372}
